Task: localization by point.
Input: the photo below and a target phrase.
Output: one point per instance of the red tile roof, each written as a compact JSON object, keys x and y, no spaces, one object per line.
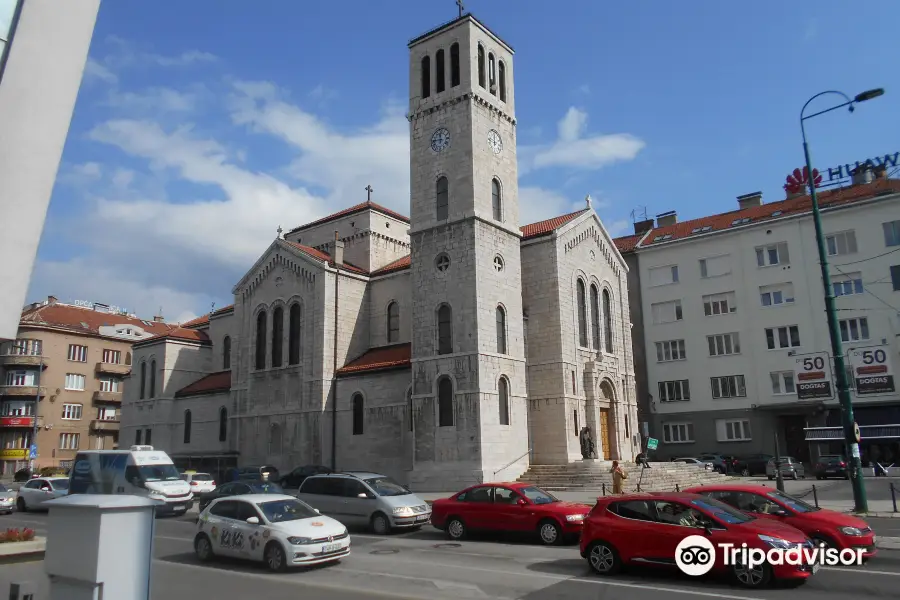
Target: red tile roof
{"x":209,"y":384}
{"x":548,"y":226}
{"x":178,"y":333}
{"x":378,"y":359}
{"x":349,"y":211}
{"x":223,"y":310}
{"x":84,"y":320}
{"x":398,"y":265}
{"x":325,"y":257}
{"x":204,"y":319}
{"x":627,"y":243}
{"x":773,"y":210}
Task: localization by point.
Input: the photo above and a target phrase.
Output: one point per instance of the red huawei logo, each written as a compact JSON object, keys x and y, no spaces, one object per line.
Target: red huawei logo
{"x":798,"y":180}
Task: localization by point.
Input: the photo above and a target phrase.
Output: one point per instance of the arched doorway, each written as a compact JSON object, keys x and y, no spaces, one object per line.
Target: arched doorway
{"x":607,"y":420}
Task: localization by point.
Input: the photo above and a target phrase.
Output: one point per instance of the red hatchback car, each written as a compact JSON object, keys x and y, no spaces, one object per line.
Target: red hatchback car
{"x":509,"y":507}
{"x":645,"y":529}
{"x":823,"y":526}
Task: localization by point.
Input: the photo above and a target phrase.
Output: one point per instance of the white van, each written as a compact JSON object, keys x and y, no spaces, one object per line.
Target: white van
{"x":140,"y":471}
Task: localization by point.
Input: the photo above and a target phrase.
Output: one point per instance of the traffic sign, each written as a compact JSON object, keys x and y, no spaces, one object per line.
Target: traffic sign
{"x":856,"y":433}
{"x":652,"y":444}
{"x":812,"y":376}
{"x":871,"y":369}
{"x":32,"y":453}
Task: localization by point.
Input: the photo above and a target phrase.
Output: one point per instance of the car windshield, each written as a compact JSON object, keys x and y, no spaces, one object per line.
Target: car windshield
{"x":385,"y":486}
{"x":159,"y":473}
{"x":262,"y":487}
{"x":538,"y":496}
{"x":279,"y":511}
{"x":722,"y":511}
{"x":60,"y":484}
{"x":201,"y":477}
{"x":794,"y":504}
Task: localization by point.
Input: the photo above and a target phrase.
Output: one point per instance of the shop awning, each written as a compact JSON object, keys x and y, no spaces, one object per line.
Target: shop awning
{"x":866,"y":432}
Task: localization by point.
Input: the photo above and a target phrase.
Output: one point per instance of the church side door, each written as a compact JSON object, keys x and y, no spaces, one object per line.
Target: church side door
{"x":603,"y":434}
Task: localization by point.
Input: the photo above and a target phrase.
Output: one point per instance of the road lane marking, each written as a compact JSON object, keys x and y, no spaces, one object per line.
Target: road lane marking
{"x":862,"y":571}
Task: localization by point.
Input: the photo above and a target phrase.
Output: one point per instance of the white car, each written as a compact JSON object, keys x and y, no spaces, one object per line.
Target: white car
{"x":33,"y":494}
{"x":278,"y":529}
{"x":201,"y":483}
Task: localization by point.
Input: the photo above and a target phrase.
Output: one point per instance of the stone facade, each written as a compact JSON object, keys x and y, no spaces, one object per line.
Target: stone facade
{"x":402,"y":345}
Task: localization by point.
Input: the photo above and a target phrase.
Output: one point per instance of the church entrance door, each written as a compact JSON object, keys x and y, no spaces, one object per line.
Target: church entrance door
{"x":603,"y":434}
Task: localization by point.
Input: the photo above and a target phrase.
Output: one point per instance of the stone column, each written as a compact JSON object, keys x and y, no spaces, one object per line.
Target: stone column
{"x":591,"y":407}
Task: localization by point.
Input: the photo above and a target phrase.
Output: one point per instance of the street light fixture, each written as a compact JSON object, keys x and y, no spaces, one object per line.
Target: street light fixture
{"x":847,"y":420}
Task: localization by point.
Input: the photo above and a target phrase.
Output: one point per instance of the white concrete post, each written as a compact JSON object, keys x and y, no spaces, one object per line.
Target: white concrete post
{"x":100,"y":546}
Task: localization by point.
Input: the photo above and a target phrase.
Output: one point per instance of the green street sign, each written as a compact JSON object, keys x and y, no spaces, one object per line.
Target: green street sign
{"x":652,"y":444}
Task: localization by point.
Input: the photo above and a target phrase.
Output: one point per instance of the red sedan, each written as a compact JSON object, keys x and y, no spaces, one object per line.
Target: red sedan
{"x":508,"y":507}
{"x":646,"y":530}
{"x":823,"y":526}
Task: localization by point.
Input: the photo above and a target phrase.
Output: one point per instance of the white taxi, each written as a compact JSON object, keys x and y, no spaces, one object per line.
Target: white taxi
{"x":280,"y":530}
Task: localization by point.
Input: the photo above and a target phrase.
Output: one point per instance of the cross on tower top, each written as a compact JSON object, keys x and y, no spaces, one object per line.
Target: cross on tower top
{"x":459,"y":4}
{"x":279,"y":231}
{"x":369,"y":191}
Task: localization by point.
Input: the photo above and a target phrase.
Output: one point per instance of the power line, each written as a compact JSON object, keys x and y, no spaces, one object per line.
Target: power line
{"x":862,"y":260}
{"x":868,"y":291}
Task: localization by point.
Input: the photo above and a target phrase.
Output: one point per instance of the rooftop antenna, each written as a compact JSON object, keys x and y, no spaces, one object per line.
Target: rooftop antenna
{"x":212,"y":307}
{"x":639,"y":213}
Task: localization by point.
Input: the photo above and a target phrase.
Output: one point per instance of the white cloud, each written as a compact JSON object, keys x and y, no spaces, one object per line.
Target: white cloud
{"x":96,"y":70}
{"x":617,"y":227}
{"x":158,"y":99}
{"x":572,"y":125}
{"x":191,"y":57}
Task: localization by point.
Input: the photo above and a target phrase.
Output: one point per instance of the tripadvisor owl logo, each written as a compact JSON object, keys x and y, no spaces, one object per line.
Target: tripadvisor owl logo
{"x":696,"y":555}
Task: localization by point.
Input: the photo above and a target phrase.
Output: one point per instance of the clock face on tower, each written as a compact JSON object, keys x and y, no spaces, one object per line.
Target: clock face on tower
{"x":494,"y":141}
{"x":440,"y":140}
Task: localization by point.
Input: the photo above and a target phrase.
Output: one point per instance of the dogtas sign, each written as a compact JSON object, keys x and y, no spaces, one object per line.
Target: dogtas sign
{"x":872,"y":370}
{"x":812,"y":376}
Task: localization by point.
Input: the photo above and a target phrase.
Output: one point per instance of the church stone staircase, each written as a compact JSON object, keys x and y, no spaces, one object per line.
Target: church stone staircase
{"x":594,"y":475}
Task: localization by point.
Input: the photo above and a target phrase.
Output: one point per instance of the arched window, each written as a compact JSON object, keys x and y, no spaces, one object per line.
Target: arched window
{"x":607,"y":321}
{"x":582,"y":315}
{"x":153,"y":378}
{"x":496,"y":199}
{"x":501,"y":330}
{"x":426,"y":76}
{"x":359,"y":414}
{"x":223,"y":424}
{"x":439,"y":70}
{"x":296,"y":315}
{"x":187,"y":427}
{"x":445,"y":402}
{"x":595,"y":317}
{"x":445,"y":330}
{"x":226,"y":352}
{"x":503,"y":394}
{"x":502,"y":73}
{"x":480,"y":65}
{"x":277,"y":335}
{"x":143,"y":379}
{"x":409,"y":408}
{"x":261,"y":340}
{"x":443,"y":198}
{"x":492,"y":73}
{"x":454,"y":64}
{"x":393,"y":323}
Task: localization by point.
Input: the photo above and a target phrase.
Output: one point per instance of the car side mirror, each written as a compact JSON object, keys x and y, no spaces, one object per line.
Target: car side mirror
{"x":45,"y":489}
{"x":362,"y":495}
{"x":253,"y":521}
{"x":317,"y":510}
{"x":781,"y":513}
{"x":521,"y":502}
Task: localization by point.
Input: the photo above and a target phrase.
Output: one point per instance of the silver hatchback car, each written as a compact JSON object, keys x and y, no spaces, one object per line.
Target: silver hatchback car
{"x":365,"y":499}
{"x":790,"y":467}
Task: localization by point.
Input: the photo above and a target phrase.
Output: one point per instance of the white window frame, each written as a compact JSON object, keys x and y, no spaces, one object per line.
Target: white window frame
{"x":776,"y":337}
{"x":20,"y":378}
{"x":670,"y":350}
{"x":764,"y":255}
{"x":778,"y":294}
{"x":854,"y":329}
{"x":671,"y":276}
{"x":112,"y":357}
{"x":77,"y":353}
{"x":704,"y":266}
{"x":69,"y":441}
{"x":723,"y":340}
{"x":733,"y":430}
{"x":683,"y":430}
{"x":847,"y":284}
{"x":783,"y":383}
{"x":723,"y":303}
{"x":72,"y":381}
{"x":674,"y":388}
{"x":109,"y":384}
{"x":841,"y":243}
{"x":72,"y":412}
{"x":723,"y":384}
{"x":891,"y":233}
{"x":107,"y":413}
{"x":677,"y":311}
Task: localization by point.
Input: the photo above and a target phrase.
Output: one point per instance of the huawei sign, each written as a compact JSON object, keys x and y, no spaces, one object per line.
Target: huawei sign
{"x":798,"y":181}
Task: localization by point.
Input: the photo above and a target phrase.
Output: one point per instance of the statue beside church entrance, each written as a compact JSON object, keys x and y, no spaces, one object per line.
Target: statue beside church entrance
{"x":587,"y":443}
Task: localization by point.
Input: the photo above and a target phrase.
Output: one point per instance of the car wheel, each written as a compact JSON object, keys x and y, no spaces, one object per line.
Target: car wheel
{"x":20,"y":505}
{"x":381,"y":525}
{"x":550,"y":533}
{"x":819,"y":539}
{"x":745,"y":472}
{"x":794,"y":476}
{"x":757,"y":577}
{"x":456,"y":529}
{"x":771,"y":477}
{"x":604,"y":559}
{"x":203,"y":548}
{"x":275,"y":558}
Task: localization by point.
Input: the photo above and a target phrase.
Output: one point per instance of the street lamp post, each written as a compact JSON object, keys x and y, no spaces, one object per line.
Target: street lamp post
{"x":847,"y":419}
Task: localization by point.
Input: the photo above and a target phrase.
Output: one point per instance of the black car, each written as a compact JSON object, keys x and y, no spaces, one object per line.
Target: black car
{"x":751,"y":464}
{"x":831,"y":465}
{"x":295,"y":478}
{"x":239,"y":488}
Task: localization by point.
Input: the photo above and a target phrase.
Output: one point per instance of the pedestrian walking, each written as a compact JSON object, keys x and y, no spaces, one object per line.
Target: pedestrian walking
{"x":641,"y":460}
{"x":618,"y":476}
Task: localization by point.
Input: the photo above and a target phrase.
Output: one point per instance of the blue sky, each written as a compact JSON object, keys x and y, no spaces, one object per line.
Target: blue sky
{"x":200,"y":129}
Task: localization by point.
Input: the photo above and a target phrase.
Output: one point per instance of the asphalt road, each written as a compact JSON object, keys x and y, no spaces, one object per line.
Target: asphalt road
{"x":422,"y":565}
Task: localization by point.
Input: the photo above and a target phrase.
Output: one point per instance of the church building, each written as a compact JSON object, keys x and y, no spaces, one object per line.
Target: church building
{"x":445,"y":348}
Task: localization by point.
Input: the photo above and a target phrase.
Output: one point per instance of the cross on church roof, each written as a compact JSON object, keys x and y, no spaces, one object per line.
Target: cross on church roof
{"x":459,"y":5}
{"x":369,"y":191}
{"x":279,"y":231}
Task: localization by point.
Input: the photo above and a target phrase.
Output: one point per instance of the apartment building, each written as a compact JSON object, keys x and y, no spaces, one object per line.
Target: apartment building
{"x":62,"y":380}
{"x":43,"y":50}
{"x":731,"y":302}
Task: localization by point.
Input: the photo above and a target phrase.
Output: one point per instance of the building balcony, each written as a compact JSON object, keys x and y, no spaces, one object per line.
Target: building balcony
{"x":108,"y":397}
{"x":22,"y":390}
{"x":105,"y":425}
{"x":21,"y":360}
{"x":113,"y":369}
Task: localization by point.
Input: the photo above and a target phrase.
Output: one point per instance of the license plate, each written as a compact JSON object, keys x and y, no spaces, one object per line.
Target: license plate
{"x":178,"y":508}
{"x":815,"y":568}
{"x":421,"y":519}
{"x":328,"y":548}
